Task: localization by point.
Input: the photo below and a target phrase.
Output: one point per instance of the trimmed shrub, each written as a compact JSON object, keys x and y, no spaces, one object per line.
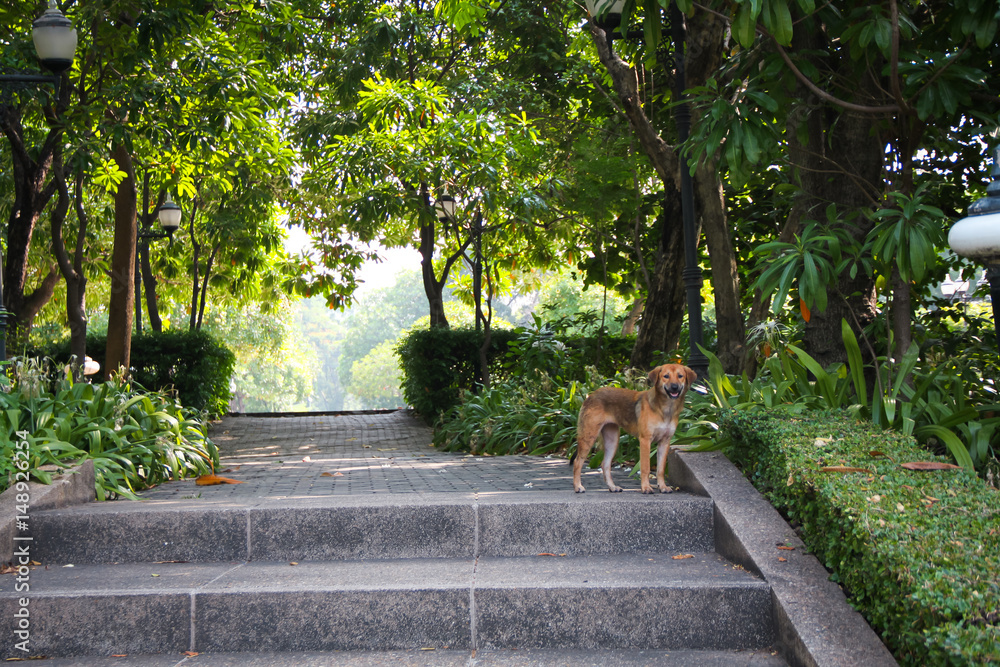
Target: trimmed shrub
{"x":917,"y":552}
{"x":192,"y":364}
{"x":438,"y":364}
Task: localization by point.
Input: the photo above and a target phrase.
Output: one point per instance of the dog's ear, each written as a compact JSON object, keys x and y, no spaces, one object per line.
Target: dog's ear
{"x":652,"y":377}
{"x":692,"y":376}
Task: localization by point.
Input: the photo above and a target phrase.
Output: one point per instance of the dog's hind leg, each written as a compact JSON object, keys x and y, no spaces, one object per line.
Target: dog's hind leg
{"x":584,"y":441}
{"x":610,"y":433}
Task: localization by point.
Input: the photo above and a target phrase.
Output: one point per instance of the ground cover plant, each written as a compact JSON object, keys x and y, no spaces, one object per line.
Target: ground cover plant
{"x":137,"y":439}
{"x":917,"y":551}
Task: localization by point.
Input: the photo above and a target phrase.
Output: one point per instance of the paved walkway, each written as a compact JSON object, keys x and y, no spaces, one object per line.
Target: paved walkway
{"x":356,"y":454}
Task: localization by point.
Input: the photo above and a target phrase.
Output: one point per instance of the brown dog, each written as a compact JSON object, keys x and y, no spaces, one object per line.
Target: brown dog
{"x":650,"y":415}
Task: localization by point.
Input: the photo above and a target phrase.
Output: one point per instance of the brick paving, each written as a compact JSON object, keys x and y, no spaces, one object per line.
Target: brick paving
{"x":357,"y":454}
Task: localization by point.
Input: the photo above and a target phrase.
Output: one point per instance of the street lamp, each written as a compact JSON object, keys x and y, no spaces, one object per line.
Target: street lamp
{"x":977,"y":236}
{"x":445,"y":208}
{"x":55,"y":44}
{"x":606,"y":14}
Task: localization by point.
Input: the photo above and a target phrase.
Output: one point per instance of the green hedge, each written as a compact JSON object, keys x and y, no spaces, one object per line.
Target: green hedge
{"x":917,"y":552}
{"x":191,"y":363}
{"x":440,"y":364}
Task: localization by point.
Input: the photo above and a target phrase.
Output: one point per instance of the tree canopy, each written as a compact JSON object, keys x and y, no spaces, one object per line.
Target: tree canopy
{"x":830,"y":147}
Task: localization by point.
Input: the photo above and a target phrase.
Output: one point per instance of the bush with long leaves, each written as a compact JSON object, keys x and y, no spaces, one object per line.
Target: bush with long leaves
{"x":137,"y":439}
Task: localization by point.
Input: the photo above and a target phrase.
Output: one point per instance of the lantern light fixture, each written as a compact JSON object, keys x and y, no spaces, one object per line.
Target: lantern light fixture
{"x":55,"y":39}
{"x":169,"y":216}
{"x":977,"y":236}
{"x":445,"y":208}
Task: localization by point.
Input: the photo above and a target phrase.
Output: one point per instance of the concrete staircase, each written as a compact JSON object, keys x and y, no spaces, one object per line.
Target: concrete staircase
{"x":514,"y":571}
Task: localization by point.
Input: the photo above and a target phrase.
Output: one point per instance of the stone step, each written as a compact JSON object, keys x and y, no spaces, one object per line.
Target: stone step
{"x":444,"y":658}
{"x":373,"y":527}
{"x":698,"y":602}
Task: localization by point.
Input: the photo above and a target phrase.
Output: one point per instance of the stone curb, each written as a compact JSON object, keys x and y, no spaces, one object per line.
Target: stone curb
{"x":815,"y":625}
{"x":72,"y":487}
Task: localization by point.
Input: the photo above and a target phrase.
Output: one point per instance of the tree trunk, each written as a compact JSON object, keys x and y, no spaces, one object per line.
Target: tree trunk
{"x":149,"y":286}
{"x":195,"y":258}
{"x":628,"y":327}
{"x":663,"y":316}
{"x":730,"y":325}
{"x":72,"y":272}
{"x":31,"y":195}
{"x":433,"y":288}
{"x":119,"y":345}
{"x":204,"y":283}
{"x":842,"y":165}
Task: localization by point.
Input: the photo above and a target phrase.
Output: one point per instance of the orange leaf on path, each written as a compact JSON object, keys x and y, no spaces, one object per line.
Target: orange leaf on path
{"x":928,"y":465}
{"x":210,"y":480}
{"x":682,"y":556}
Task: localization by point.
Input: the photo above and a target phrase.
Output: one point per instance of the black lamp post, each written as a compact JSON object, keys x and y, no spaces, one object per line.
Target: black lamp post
{"x":55,"y":44}
{"x":606,"y":14}
{"x":977,"y":237}
{"x":169,"y":216}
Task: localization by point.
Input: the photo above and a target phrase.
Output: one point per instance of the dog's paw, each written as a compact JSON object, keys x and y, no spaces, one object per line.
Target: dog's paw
{"x":615,"y":489}
{"x":666,"y":489}
{"x":647,"y":489}
{"x":580,"y":489}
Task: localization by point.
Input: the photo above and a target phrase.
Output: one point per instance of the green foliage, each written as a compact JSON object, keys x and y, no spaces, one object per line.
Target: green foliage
{"x":438,"y":364}
{"x":514,"y":417}
{"x":137,"y":439}
{"x":375,"y":377}
{"x":907,"y":235}
{"x":917,"y":552}
{"x":275,"y":366}
{"x":192,"y":364}
{"x":932,"y":404}
{"x":810,"y":263}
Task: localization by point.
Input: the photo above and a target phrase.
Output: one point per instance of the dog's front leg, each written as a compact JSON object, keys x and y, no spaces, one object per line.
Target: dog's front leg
{"x":644,"y":445}
{"x":662,"y":451}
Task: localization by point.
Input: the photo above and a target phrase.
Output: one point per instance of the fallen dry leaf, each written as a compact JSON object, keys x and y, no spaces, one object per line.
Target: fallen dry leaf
{"x":210,"y":480}
{"x":682,"y":556}
{"x":782,"y":560}
{"x":293,"y":563}
{"x":928,"y":465}
{"x":844,"y":469}
{"x":548,"y":554}
{"x":190,"y":654}
{"x":784,"y":548}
